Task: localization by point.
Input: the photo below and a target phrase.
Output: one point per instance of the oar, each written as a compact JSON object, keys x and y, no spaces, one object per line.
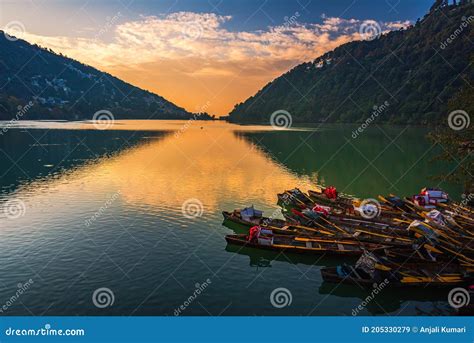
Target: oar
{"x":384,"y":200}
{"x":471,"y":261}
{"x":305,"y":228}
{"x":330,"y":223}
{"x":430,"y":220}
{"x":296,"y":199}
{"x":384,"y":236}
{"x":441,"y":233}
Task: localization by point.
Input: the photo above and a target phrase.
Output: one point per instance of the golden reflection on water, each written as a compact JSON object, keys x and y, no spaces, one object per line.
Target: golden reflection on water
{"x":211,"y":164}
{"x":202,"y":160}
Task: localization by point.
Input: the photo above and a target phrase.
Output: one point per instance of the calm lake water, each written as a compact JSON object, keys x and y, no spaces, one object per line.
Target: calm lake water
{"x":84,"y":209}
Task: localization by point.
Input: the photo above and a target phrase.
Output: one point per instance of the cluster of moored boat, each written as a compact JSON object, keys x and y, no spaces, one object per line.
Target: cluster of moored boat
{"x":426,"y":239}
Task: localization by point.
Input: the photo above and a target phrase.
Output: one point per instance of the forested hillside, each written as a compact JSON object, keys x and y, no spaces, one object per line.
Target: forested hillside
{"x":57,"y":87}
{"x":416,"y":71}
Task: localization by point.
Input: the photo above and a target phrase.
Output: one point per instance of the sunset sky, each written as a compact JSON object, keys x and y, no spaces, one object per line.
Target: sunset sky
{"x":202,"y":55}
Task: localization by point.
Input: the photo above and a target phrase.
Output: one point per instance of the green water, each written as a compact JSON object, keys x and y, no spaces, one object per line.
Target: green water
{"x":137,"y":209}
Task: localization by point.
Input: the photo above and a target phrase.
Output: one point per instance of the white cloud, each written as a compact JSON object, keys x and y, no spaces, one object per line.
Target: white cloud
{"x":203,"y":35}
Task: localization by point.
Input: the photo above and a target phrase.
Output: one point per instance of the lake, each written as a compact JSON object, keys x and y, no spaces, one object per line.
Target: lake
{"x":134,"y":211}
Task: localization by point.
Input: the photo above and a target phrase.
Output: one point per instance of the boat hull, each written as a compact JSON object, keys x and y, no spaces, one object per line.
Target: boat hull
{"x":330,"y":248}
{"x":330,"y":275}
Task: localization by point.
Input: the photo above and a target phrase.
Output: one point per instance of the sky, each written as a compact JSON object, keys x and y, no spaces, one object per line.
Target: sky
{"x":203,"y":55}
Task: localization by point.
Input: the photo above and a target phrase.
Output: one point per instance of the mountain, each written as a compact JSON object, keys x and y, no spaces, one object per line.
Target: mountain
{"x":404,"y":76}
{"x":36,"y":83}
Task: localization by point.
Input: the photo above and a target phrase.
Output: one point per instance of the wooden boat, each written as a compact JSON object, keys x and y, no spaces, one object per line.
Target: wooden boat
{"x":297,"y":199}
{"x":320,"y":194}
{"x":390,"y":207}
{"x":449,"y":222}
{"x":350,"y":225}
{"x":236,"y":217}
{"x":461,"y":212}
{"x":312,"y":230}
{"x":398,"y":226}
{"x":278,"y":226}
{"x":370,"y":269}
{"x":282,"y":227}
{"x":316,"y":221}
{"x":426,"y":255}
{"x":304,"y":245}
{"x":445,"y":240}
{"x":397,"y":204}
{"x":403,"y":278}
{"x":295,"y":202}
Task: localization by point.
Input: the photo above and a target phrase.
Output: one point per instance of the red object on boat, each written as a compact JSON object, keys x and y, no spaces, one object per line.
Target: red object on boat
{"x":430,"y":197}
{"x":331,"y":192}
{"x":253,"y":233}
{"x":298,"y":213}
{"x":321,"y":209}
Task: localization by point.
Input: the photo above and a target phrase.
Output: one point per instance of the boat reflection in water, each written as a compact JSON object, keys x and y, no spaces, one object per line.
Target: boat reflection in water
{"x":391,"y":300}
{"x":264,"y":259}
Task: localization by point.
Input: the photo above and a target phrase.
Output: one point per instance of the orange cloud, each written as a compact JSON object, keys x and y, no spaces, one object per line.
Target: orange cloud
{"x":192,"y":59}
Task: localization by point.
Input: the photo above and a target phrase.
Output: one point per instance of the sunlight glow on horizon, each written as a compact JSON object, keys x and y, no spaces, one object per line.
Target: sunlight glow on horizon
{"x":192,"y":60}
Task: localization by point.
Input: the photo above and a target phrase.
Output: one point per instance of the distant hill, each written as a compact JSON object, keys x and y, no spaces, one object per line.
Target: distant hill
{"x":416,"y":71}
{"x":62,"y":88}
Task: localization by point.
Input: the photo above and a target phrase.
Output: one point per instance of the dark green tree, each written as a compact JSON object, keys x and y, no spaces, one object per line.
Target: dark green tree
{"x":456,"y":139}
